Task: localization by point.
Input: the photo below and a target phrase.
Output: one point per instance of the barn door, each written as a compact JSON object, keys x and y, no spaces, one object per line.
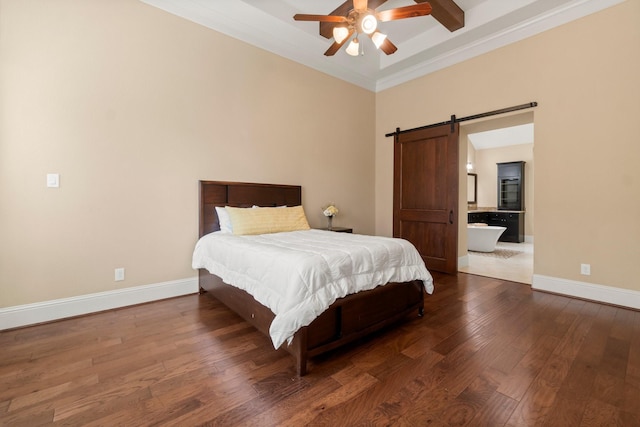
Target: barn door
{"x":425,"y":193}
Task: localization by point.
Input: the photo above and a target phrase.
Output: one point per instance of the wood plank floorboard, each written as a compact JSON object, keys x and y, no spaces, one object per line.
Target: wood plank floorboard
{"x":488,"y":352}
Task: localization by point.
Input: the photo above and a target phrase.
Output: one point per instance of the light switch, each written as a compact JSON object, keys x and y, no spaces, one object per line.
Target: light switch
{"x":53,"y":180}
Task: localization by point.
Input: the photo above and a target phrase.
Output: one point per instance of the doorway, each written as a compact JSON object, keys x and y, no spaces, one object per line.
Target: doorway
{"x":488,"y":142}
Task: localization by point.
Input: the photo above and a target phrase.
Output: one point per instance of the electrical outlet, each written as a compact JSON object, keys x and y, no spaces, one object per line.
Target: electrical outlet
{"x":53,"y":180}
{"x":119,"y":275}
{"x":585,"y":269}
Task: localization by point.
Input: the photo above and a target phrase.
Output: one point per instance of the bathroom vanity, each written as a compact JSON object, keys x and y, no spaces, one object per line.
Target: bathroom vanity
{"x":513,"y":220}
{"x":510,"y":201}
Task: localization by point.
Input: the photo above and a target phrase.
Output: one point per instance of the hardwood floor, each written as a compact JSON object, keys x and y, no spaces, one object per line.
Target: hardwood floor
{"x":487,"y":353}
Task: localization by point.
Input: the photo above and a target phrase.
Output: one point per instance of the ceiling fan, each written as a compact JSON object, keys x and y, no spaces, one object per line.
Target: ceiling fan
{"x":362,"y":20}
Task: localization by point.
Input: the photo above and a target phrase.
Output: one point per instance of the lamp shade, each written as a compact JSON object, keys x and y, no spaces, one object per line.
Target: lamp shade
{"x":354,"y":47}
{"x":340,"y":33}
{"x":378,"y":38}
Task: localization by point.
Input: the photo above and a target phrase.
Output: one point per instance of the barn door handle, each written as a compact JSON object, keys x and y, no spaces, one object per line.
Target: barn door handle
{"x":451,"y":216}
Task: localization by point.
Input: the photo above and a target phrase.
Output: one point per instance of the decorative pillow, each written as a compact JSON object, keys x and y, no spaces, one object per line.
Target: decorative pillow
{"x":267,"y":220}
{"x":224,"y":220}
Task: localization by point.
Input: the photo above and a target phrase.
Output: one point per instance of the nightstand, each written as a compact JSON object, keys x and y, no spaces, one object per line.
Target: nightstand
{"x":341,"y":229}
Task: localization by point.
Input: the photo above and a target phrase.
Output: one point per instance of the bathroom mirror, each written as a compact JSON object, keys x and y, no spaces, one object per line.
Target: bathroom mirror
{"x":472,"y":187}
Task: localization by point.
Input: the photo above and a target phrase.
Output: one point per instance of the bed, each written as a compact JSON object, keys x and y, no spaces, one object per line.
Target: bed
{"x":345,"y":320}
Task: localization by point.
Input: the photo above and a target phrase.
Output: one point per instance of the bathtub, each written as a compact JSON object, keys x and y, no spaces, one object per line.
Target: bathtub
{"x":483,"y":237}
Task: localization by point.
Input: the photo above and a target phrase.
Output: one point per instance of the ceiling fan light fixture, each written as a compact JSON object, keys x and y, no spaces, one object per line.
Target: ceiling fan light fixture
{"x":378,"y":38}
{"x":368,"y":23}
{"x":354,"y":47}
{"x":340,"y":34}
{"x":360,"y":19}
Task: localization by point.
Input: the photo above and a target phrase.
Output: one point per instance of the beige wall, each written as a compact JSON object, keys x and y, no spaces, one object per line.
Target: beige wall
{"x":586,"y":150}
{"x":132,"y":106}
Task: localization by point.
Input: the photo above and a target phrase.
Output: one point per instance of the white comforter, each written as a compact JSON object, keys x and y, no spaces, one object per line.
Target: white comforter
{"x":299,"y":274}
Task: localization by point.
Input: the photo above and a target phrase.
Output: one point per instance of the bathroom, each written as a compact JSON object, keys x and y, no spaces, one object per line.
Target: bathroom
{"x":504,"y":248}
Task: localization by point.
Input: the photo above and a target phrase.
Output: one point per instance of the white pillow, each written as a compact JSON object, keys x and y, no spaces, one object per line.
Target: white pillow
{"x":224,"y":220}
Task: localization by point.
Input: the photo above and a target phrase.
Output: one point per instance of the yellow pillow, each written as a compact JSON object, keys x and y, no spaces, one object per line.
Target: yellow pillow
{"x":267,"y":220}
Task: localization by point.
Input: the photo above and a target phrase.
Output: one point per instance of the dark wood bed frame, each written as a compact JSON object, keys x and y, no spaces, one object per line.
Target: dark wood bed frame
{"x":347,"y":319}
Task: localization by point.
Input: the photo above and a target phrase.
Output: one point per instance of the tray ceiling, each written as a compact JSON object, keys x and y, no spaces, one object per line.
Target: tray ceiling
{"x":424,"y":45}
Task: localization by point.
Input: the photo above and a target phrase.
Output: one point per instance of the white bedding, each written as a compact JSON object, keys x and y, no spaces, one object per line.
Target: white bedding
{"x":299,"y":274}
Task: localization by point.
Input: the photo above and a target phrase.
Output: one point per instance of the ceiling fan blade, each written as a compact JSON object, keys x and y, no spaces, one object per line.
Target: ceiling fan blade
{"x":447,"y":12}
{"x":404,"y":12}
{"x":321,"y":18}
{"x":360,"y":4}
{"x":388,"y":47}
{"x":336,"y":46}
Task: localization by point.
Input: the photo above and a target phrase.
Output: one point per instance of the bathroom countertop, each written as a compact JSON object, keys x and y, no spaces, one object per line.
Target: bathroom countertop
{"x":492,"y":210}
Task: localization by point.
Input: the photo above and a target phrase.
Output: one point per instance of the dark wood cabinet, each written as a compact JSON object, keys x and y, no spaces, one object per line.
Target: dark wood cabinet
{"x":474,"y":217}
{"x":511,"y":186}
{"x":514,"y":221}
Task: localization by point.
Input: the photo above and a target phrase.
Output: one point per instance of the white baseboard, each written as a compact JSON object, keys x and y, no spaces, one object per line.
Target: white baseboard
{"x":528,"y":238}
{"x":589,"y":291}
{"x":30,"y":314}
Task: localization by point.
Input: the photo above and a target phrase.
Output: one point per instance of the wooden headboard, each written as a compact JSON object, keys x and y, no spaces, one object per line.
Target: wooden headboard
{"x":241,"y":194}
